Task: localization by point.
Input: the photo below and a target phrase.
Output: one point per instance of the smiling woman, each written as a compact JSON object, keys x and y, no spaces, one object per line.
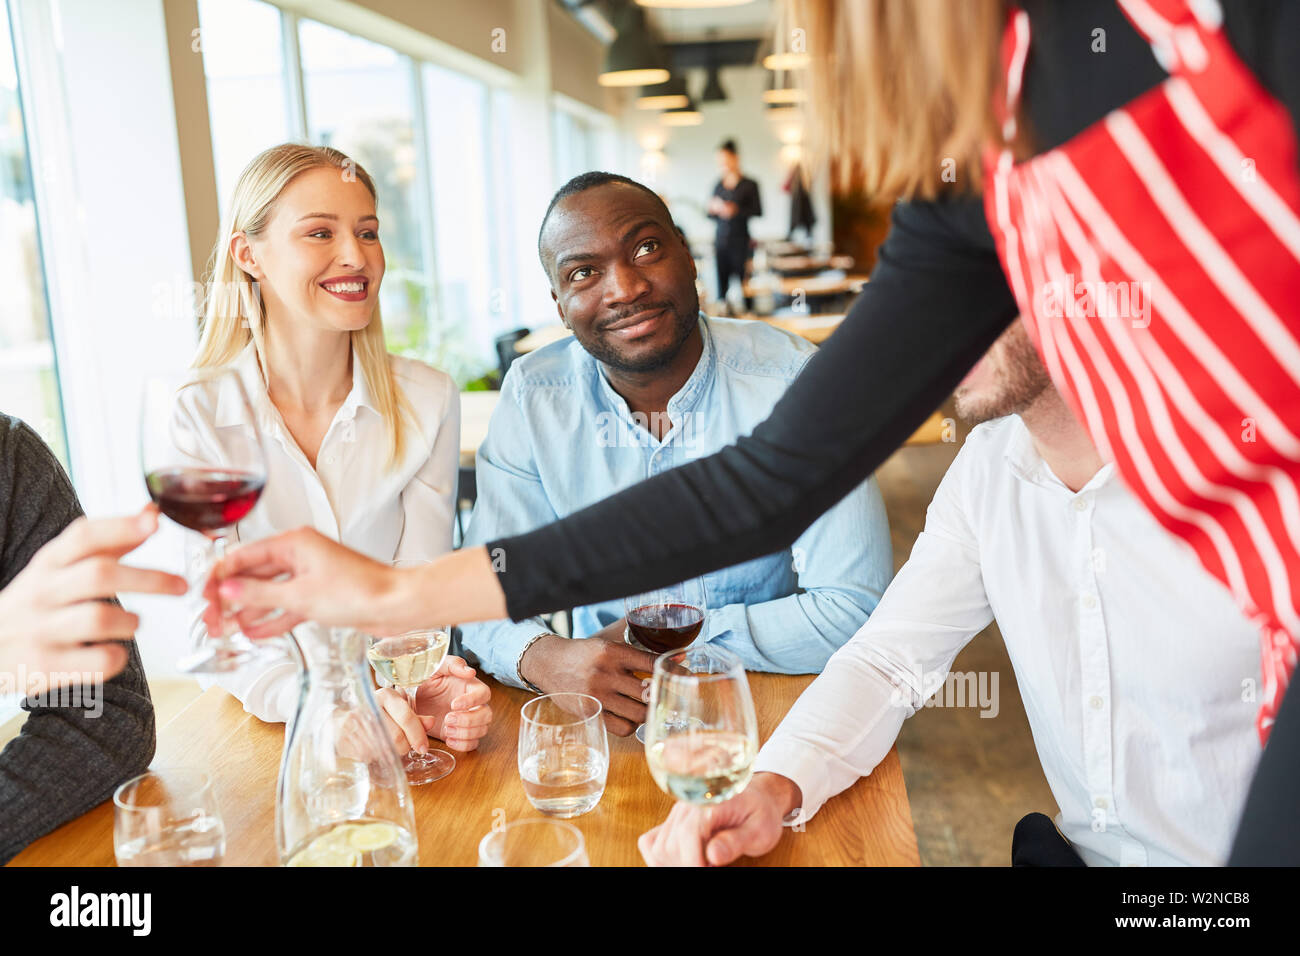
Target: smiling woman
{"x":239,"y":297}
{"x":362,"y":445}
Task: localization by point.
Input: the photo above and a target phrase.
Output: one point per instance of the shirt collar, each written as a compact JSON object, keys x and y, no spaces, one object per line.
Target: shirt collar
{"x":1028,"y":465}
{"x":691,"y":390}
{"x":249,"y":370}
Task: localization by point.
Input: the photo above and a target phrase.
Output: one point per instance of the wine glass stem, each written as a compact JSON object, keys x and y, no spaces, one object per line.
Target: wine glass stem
{"x":216,"y":552}
{"x":412,"y":691}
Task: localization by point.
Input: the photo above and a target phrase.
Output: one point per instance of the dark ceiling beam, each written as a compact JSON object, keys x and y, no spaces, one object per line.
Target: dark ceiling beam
{"x":705,"y":53}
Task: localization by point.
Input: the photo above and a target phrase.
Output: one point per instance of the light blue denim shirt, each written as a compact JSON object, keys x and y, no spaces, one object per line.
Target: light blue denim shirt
{"x":561,"y":439}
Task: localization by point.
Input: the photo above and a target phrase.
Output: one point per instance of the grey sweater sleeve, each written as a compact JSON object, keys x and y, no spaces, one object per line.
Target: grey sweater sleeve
{"x":78,"y":745}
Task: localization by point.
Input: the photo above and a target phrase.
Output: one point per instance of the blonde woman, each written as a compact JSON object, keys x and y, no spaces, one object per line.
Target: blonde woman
{"x":361,"y":445}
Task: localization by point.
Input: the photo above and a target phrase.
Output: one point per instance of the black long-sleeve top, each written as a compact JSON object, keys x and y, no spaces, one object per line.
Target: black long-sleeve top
{"x":936,"y":300}
{"x":734,"y":232}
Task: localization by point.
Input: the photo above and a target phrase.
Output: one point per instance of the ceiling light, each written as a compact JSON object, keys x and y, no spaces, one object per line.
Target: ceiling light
{"x":692,"y":4}
{"x":686,"y":116}
{"x":666,"y":96}
{"x":785,"y":95}
{"x":786,"y":61}
{"x":633,"y":59}
{"x":713,"y":91}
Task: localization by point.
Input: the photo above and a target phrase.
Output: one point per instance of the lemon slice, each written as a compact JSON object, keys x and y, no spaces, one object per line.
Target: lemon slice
{"x":337,"y":837}
{"x":373,"y":836}
{"x":326,"y":855}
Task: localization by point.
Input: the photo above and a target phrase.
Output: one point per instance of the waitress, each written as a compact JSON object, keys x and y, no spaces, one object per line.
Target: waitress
{"x":735,"y":201}
{"x":1061,"y":152}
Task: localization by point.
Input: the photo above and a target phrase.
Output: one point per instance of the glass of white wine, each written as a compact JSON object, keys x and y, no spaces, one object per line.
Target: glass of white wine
{"x":407,"y":661}
{"x":701,"y":731}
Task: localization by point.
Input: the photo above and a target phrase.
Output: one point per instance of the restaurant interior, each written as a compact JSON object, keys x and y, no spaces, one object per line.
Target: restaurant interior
{"x":124,"y":128}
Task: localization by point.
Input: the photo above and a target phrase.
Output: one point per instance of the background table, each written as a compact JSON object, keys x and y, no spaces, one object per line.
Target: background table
{"x":815,"y":327}
{"x":475,"y":415}
{"x":813,"y":287}
{"x":476,"y":412}
{"x":869,"y":824}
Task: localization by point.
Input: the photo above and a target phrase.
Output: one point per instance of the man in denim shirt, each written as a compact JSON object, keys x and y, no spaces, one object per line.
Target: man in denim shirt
{"x":647,"y":383}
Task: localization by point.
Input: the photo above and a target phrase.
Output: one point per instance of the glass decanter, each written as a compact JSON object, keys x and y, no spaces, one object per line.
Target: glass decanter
{"x":342,"y":799}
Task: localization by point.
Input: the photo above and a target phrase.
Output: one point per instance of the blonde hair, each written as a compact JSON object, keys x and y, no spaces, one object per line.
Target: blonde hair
{"x":232,"y":309}
{"x":902,"y":91}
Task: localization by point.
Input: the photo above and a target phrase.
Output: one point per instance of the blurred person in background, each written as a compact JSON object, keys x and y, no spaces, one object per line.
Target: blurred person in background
{"x":734,"y":202}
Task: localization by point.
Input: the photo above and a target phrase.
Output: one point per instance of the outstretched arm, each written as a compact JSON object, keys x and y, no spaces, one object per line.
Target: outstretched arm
{"x":936,"y":301}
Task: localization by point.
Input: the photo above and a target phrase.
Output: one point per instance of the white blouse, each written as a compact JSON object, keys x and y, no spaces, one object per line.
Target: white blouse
{"x":352,"y":496}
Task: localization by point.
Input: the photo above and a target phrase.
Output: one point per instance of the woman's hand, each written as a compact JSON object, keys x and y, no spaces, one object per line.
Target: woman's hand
{"x":56,"y":616}
{"x":269,"y":586}
{"x":452,"y":705}
{"x":304,"y":575}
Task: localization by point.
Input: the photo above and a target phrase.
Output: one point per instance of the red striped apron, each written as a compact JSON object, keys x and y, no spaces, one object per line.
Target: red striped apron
{"x":1156,"y":259}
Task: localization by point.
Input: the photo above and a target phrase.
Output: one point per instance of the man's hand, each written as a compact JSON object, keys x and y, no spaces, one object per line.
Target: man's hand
{"x":55,"y":615}
{"x":452,"y":705}
{"x":613,"y":673}
{"x":745,"y":825}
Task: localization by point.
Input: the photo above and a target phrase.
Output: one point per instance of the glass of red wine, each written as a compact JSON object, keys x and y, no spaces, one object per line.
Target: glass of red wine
{"x":665,"y":619}
{"x":201,"y":453}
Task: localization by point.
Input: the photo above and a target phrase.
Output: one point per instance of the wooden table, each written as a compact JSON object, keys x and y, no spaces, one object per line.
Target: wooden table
{"x":808,"y":265}
{"x":540,"y":337}
{"x":869,"y":824}
{"x":816,"y":328}
{"x":813,"y":286}
{"x":475,"y":415}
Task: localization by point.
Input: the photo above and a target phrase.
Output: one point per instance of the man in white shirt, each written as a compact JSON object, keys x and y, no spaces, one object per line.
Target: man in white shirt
{"x":1137,"y":670}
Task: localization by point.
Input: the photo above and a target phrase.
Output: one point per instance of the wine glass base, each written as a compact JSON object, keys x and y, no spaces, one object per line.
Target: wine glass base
{"x":220,"y":656}
{"x":640,"y":734}
{"x":422,"y":768}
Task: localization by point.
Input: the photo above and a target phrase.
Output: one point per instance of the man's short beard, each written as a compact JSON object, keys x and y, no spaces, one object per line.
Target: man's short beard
{"x":1021,"y":378}
{"x":684,"y":324}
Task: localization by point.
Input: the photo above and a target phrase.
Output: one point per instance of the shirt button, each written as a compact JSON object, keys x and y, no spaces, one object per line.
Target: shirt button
{"x":1080,"y":504}
{"x":1089,"y":601}
{"x":1101,"y":803}
{"x":1095,"y":702}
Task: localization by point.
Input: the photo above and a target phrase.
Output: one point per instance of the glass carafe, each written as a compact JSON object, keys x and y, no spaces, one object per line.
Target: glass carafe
{"x":343,"y":799}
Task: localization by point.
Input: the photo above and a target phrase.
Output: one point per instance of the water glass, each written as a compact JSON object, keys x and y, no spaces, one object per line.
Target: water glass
{"x":563,"y":753}
{"x":534,"y":843}
{"x":168,"y":817}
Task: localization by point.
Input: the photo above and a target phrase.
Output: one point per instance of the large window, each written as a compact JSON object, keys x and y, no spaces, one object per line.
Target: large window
{"x":457,"y":109}
{"x":358,"y":96}
{"x":430,"y":137}
{"x":248,"y":101}
{"x":29,"y":387}
{"x":581,"y":141}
